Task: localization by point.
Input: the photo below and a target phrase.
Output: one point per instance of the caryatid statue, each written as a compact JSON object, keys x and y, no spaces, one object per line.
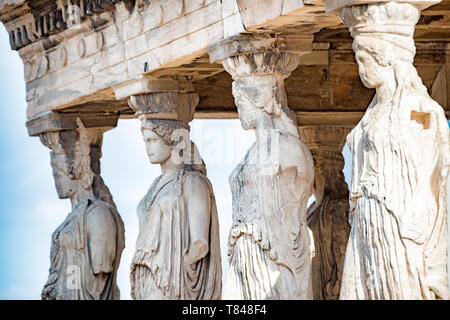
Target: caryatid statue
{"x":87,"y":246}
{"x":269,"y":242}
{"x":177,"y":249}
{"x":401,"y":155}
{"x":328,"y":214}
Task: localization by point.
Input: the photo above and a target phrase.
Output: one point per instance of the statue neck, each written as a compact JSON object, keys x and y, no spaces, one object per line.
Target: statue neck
{"x":281,"y":124}
{"x":169,"y":167}
{"x":81,"y":195}
{"x":387,"y":90}
{"x":402,"y":76}
{"x":265,"y":123}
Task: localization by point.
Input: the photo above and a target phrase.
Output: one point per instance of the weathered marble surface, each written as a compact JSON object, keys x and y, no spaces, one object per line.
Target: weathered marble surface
{"x":269,"y":242}
{"x":401,"y":156}
{"x":87,"y":246}
{"x":177,"y":249}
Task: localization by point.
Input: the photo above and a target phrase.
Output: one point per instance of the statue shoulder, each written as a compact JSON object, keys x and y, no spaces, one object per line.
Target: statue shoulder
{"x":294,"y":153}
{"x":196,"y":183}
{"x":100,"y":216}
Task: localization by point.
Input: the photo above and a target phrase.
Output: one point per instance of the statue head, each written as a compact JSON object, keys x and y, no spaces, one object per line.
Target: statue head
{"x":160,"y":138}
{"x":255,"y":96}
{"x":75,"y":159}
{"x":166,"y":139}
{"x":383,"y":41}
{"x":258,"y":86}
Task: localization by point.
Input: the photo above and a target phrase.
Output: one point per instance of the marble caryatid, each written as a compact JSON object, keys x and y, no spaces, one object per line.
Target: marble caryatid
{"x":328,"y":214}
{"x":269,"y":242}
{"x":177,"y":250}
{"x":86,"y":248}
{"x":401,"y":155}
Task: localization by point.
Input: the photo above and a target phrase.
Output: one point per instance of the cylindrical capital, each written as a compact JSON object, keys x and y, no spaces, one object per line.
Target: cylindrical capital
{"x":280,"y":64}
{"x":324,"y":138}
{"x":165,"y":105}
{"x":167,"y":100}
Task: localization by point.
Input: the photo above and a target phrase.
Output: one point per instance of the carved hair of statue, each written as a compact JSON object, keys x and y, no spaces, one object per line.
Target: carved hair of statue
{"x":166,"y":129}
{"x":81,"y":149}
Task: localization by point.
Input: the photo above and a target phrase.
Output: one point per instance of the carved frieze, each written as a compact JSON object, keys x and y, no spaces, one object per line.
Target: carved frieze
{"x":34,"y":20}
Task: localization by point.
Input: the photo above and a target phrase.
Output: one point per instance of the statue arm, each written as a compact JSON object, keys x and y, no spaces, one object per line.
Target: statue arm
{"x":198,"y":207}
{"x":101,"y":238}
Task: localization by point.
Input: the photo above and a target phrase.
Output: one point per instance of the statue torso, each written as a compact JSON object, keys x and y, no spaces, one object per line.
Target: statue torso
{"x":71,"y":276}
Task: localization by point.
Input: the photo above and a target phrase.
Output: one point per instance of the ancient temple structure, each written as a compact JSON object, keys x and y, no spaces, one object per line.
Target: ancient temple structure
{"x":85,"y":60}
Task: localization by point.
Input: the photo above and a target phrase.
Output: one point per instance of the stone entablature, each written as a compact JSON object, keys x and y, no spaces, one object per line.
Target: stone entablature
{"x":37,"y":20}
{"x":112,"y":42}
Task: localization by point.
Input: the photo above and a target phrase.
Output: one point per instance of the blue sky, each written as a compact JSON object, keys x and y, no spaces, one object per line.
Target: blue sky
{"x":30,"y":209}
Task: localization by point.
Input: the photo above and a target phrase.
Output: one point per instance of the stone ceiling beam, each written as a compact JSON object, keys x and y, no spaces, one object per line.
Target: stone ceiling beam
{"x":54,"y":121}
{"x":332,"y":5}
